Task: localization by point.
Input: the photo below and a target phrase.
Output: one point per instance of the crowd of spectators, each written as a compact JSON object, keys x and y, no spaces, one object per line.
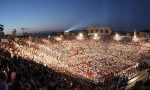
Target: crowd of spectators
{"x":67,"y":64}
{"x":17,"y":73}
{"x":95,"y":60}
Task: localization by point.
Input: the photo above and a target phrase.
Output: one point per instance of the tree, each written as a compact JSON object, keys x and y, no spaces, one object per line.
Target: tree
{"x":1,"y":27}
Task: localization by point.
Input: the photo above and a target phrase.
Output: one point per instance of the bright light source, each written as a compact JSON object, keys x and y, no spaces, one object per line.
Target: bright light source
{"x":49,"y":36}
{"x":117,"y":37}
{"x":135,"y":38}
{"x":96,"y":37}
{"x":66,"y":31}
{"x":80,"y":36}
{"x":59,"y":38}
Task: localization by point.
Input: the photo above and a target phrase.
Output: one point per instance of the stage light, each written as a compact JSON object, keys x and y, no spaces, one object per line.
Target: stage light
{"x":135,"y":38}
{"x":59,"y":38}
{"x":80,"y":36}
{"x":49,"y":36}
{"x":117,"y":37}
{"x":96,"y":36}
{"x":66,"y":31}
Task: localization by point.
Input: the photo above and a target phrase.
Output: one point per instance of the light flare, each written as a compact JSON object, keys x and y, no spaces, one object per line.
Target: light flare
{"x":117,"y":37}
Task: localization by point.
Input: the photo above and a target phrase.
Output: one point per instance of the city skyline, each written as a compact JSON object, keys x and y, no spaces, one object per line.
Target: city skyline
{"x":56,"y":15}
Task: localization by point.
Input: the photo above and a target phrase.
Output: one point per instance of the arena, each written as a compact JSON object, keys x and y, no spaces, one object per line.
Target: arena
{"x":94,"y":60}
{"x":90,"y":59}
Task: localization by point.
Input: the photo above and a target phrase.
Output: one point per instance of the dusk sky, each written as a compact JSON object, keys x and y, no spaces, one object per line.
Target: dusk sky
{"x":63,"y":15}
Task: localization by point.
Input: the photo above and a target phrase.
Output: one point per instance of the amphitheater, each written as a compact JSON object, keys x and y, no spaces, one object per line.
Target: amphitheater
{"x":90,"y":59}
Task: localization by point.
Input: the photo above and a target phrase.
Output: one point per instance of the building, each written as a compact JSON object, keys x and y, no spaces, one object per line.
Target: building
{"x":1,"y":31}
{"x":101,"y":30}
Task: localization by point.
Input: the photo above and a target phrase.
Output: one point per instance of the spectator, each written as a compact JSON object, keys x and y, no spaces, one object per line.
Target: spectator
{"x":18,"y":82}
{"x":3,"y":84}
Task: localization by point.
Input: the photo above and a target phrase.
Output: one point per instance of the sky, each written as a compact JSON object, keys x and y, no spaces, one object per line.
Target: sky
{"x":61,"y":15}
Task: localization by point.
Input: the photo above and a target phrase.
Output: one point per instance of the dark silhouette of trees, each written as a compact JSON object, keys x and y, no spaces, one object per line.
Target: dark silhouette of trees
{"x":1,"y":27}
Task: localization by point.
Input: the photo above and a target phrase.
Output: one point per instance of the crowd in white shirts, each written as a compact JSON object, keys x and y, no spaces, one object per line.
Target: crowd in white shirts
{"x":65,"y":64}
{"x":94,"y":60}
